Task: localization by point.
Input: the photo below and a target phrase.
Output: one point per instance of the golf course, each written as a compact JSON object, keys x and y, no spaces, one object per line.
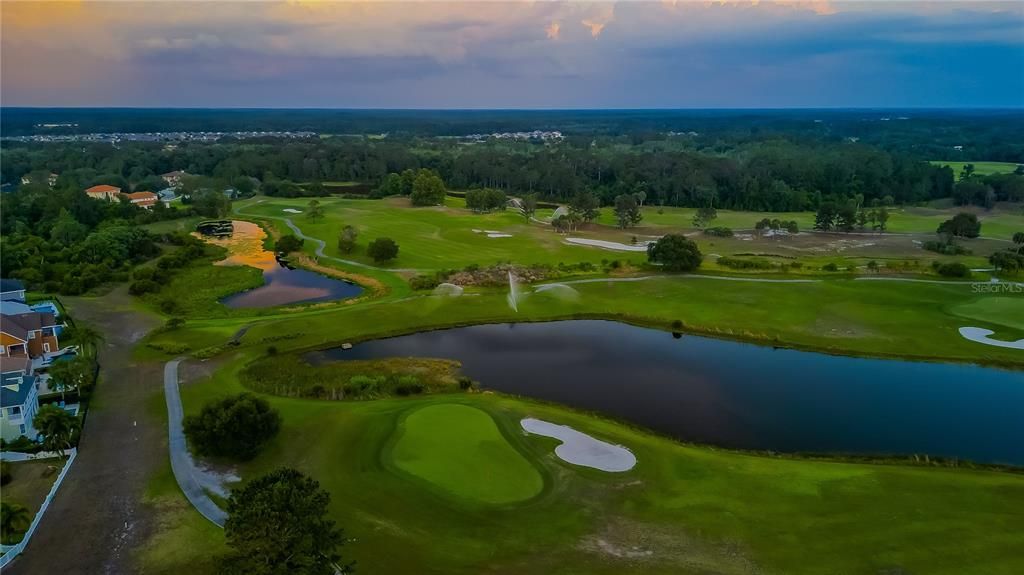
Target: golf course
{"x":452,"y":480}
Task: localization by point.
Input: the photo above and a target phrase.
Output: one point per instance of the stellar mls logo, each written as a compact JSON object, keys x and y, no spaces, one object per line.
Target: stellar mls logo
{"x":997,"y":287}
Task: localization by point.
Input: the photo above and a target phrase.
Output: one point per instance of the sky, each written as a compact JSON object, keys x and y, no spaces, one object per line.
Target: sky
{"x":521,"y":54}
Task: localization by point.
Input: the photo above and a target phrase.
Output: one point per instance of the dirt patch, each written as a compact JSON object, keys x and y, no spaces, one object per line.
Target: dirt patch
{"x":119,"y":451}
{"x":635,"y":543}
{"x":375,"y":287}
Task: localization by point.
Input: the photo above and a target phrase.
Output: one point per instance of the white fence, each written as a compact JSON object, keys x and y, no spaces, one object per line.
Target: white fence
{"x":14,"y":550}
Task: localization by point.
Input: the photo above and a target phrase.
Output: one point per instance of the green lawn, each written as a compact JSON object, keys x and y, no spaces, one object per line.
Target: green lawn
{"x":30,"y":482}
{"x":1002,"y":310}
{"x":682,"y":509}
{"x":459,"y":450}
{"x":980,"y":168}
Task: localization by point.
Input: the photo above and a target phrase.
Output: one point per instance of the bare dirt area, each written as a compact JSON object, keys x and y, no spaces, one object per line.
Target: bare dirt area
{"x":98,"y":517}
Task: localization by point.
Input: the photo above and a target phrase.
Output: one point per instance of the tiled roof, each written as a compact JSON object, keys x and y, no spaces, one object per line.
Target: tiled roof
{"x":102,"y":189}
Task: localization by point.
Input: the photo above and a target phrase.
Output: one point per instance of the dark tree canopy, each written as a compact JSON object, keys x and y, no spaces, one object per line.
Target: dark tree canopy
{"x":627,"y":211}
{"x":675,"y":253}
{"x":427,"y":189}
{"x":277,"y":525}
{"x":236,"y":426}
{"x":382,"y":249}
{"x":288,"y":243}
{"x":962,"y":225}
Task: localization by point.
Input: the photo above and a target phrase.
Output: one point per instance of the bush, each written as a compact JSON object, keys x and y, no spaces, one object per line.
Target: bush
{"x":951,"y":269}
{"x":720,"y":232}
{"x":235,"y":426}
{"x":5,"y":473}
{"x":288,"y":244}
{"x":424,"y":282}
{"x":830,"y":267}
{"x":738,"y":264}
{"x":142,"y":287}
{"x":946,"y":248}
{"x":676,"y":253}
{"x":382,"y":249}
{"x":465,"y":383}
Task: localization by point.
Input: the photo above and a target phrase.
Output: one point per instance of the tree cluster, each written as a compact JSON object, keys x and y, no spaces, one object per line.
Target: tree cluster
{"x":236,"y":427}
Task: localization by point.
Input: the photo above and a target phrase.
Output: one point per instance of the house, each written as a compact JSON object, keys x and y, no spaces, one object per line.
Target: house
{"x":12,"y":290}
{"x":166,"y":195}
{"x":104,"y":192}
{"x":173,"y":179}
{"x":19,"y":399}
{"x":142,"y":199}
{"x":33,"y":334}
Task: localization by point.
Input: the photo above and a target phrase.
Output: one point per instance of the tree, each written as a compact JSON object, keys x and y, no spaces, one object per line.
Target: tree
{"x":1018,"y":239}
{"x":347,"y":239}
{"x":288,"y":243}
{"x":70,"y":375}
{"x":627,"y":211}
{"x":382,"y":249}
{"x":675,"y":253}
{"x":880,"y":219}
{"x":528,"y":206}
{"x":210,"y":203}
{"x":427,"y":189}
{"x":391,"y":186}
{"x":85,"y":337}
{"x":14,"y":521}
{"x":57,"y":426}
{"x":966,"y":172}
{"x":235,"y":426}
{"x":962,"y":225}
{"x":1007,"y":261}
{"x":277,"y":524}
{"x":314,"y":211}
{"x":825,"y":218}
{"x":67,"y":230}
{"x":585,"y":206}
{"x":846,"y":217}
{"x":873,"y":266}
{"x":704,"y":216}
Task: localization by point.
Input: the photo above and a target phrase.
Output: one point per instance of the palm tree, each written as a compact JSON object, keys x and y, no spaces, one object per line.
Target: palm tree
{"x":57,"y":426}
{"x":14,"y":520}
{"x":1018,"y":238}
{"x":70,"y":375}
{"x":87,"y":338}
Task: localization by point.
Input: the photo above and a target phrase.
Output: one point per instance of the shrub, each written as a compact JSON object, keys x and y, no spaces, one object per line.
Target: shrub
{"x":677,"y":324}
{"x":408,"y":385}
{"x":288,"y":244}
{"x":382,"y":249}
{"x":946,"y":248}
{"x":272,"y":350}
{"x":424,"y":281}
{"x":675,"y":252}
{"x":235,"y":426}
{"x":720,"y":231}
{"x":830,"y":267}
{"x":5,"y":473}
{"x":141,"y":287}
{"x":738,"y":264}
{"x":466,"y":383}
{"x":951,"y":269}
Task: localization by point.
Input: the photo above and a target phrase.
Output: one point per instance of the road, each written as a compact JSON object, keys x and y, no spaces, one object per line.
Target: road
{"x":98,"y":519}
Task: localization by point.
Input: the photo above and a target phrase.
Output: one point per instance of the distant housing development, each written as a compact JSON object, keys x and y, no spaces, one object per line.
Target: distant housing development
{"x":103,"y":192}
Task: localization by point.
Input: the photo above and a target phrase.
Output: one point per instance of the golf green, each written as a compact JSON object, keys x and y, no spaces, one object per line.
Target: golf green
{"x":460,"y":450}
{"x":1000,"y":310}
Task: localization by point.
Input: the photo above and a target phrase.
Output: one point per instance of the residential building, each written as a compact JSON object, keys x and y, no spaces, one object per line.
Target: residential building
{"x":166,"y":195}
{"x":142,"y":199}
{"x":19,"y":399}
{"x":12,"y":290}
{"x":104,"y":192}
{"x":51,"y":179}
{"x":173,"y":179}
{"x":31,"y":334}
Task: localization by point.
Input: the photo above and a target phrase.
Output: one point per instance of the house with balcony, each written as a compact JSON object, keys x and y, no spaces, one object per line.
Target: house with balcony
{"x":34,"y":335}
{"x":19,"y":399}
{"x":142,"y":199}
{"x":104,"y":192}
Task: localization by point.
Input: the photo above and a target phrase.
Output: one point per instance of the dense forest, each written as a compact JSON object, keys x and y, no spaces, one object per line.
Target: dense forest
{"x":765,"y":175}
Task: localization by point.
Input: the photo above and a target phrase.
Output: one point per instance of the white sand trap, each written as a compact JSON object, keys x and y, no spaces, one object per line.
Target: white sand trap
{"x":498,"y":235}
{"x":292,"y":211}
{"x":981,"y":335}
{"x":641,"y":247}
{"x":581,"y":449}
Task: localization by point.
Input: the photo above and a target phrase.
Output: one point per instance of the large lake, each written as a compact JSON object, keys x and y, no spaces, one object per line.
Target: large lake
{"x":281,"y":284}
{"x":735,"y":394}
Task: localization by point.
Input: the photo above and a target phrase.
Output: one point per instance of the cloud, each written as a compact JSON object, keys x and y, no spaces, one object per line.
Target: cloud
{"x":552,"y":30}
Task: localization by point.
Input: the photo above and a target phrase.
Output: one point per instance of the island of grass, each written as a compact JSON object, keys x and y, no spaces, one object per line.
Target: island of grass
{"x":459,"y":450}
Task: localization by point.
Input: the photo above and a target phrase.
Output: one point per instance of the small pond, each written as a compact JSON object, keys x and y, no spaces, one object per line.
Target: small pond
{"x":736,"y":394}
{"x":281,"y":284}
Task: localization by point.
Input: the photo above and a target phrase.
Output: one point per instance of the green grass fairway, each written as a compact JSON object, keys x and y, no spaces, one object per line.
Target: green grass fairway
{"x":980,"y":168}
{"x":460,"y":450}
{"x":1002,"y":310}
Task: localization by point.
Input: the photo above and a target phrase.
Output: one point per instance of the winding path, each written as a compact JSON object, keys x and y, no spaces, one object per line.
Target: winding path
{"x":322,"y":245}
{"x":191,"y":479}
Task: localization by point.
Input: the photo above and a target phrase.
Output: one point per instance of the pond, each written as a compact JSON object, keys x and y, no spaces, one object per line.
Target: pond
{"x":734,"y":394}
{"x":281,"y":283}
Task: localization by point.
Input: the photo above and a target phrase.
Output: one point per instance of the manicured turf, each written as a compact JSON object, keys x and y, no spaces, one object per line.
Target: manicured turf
{"x":980,"y":168}
{"x":1002,"y":310}
{"x":460,"y":450}
{"x":683,"y":509}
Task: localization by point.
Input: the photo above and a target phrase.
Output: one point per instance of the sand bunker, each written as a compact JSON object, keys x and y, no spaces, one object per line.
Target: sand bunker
{"x":981,"y":335}
{"x":292,"y":211}
{"x":492,"y":233}
{"x":640,"y":247}
{"x":581,"y":449}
